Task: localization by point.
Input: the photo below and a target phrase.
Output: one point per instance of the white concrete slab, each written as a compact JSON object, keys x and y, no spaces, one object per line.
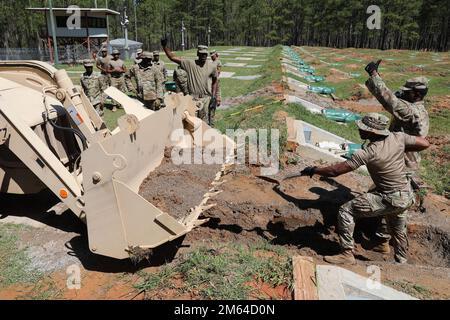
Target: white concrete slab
{"x":335,"y":283}
{"x":253,"y":66}
{"x":247,"y":77}
{"x":235,"y":65}
{"x":225,"y":74}
{"x":243,"y":58}
{"x":297,"y":83}
{"x":313,"y":108}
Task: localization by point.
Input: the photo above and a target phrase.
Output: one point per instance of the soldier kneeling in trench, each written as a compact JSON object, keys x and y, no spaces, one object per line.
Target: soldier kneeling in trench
{"x":384,"y":157}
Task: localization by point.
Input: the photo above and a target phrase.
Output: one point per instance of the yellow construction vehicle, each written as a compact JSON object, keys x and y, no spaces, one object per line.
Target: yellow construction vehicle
{"x":51,"y":137}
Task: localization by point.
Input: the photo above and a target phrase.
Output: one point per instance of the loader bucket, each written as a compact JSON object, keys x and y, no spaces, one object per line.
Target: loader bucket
{"x":120,"y":222}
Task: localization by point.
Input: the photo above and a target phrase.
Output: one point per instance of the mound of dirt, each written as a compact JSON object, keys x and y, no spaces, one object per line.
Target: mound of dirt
{"x":175,"y":189}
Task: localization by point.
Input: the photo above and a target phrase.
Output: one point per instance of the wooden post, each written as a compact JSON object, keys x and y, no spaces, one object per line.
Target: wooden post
{"x":305,"y":285}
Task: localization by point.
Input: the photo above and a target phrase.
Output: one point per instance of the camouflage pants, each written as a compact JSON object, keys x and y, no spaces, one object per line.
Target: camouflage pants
{"x":203,"y":107}
{"x":394,"y":207}
{"x":104,"y":81}
{"x":118,"y":83}
{"x":154,"y":105}
{"x":211,"y":116}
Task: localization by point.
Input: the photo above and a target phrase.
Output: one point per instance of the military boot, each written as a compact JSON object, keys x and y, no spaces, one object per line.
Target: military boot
{"x":346,"y":257}
{"x":382,"y":247}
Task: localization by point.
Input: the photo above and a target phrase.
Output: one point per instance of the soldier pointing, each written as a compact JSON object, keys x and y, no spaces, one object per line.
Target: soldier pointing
{"x":407,"y":108}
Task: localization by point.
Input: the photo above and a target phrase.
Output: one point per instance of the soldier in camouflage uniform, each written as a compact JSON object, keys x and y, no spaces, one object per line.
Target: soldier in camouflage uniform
{"x":180,"y":78}
{"x":384,"y":157}
{"x":212,"y":109}
{"x":102,"y":64}
{"x":150,"y":83}
{"x":131,"y":74}
{"x":92,"y":87}
{"x":409,"y":116}
{"x":117,"y":70}
{"x":160,"y":65}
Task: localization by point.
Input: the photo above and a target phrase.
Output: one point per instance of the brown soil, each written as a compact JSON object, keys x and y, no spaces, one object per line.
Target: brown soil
{"x":176,"y":189}
{"x":359,"y":106}
{"x":360,"y":91}
{"x":336,"y":76}
{"x":353,"y":66}
{"x":439,"y":103}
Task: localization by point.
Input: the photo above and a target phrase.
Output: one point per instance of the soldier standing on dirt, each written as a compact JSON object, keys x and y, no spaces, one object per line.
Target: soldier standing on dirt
{"x":92,"y":87}
{"x":202,"y":78}
{"x":212,"y":109}
{"x":160,"y":65}
{"x":102,"y":64}
{"x":393,"y":196}
{"x":132,"y":72}
{"x":409,"y":116}
{"x":150,"y":83}
{"x":117,"y":70}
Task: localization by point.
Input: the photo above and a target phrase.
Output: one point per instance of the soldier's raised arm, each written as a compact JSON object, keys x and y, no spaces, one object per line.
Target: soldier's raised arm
{"x":400,"y":109}
{"x":169,"y":52}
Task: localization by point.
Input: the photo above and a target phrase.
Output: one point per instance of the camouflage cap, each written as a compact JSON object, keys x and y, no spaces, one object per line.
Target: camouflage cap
{"x":374,"y":122}
{"x":146,"y":55}
{"x":104,"y":50}
{"x":115,"y":51}
{"x":139,"y":51}
{"x":213,"y":52}
{"x":202,"y":49}
{"x":156,"y":53}
{"x":419,"y":83}
{"x":88,"y":63}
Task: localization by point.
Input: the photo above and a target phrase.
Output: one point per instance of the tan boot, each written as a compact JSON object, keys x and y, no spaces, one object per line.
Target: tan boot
{"x":346,"y":257}
{"x":114,"y":109}
{"x":383,"y":248}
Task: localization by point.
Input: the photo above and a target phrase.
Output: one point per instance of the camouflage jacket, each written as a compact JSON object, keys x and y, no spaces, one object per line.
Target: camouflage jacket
{"x":92,"y":87}
{"x":150,"y":83}
{"x":162,"y":68}
{"x":130,"y":75}
{"x":410,"y":118}
{"x":181,"y":78}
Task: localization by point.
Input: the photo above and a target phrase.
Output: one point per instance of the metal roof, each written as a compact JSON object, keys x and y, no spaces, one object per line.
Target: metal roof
{"x":93,"y":10}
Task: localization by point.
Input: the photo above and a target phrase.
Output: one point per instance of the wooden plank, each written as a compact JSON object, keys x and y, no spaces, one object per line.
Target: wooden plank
{"x":305,"y":286}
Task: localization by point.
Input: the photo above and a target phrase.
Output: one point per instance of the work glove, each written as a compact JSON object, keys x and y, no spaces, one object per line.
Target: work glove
{"x":373,"y":66}
{"x":309,"y":172}
{"x":164,"y":42}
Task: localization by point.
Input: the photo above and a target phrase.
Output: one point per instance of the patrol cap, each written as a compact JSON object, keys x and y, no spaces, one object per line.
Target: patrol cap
{"x":419,"y":83}
{"x":146,"y":55}
{"x":139,"y":51}
{"x":202,"y":49}
{"x":374,"y":122}
{"x":115,"y":51}
{"x":88,"y":63}
{"x":213,"y":52}
{"x":156,"y":53}
{"x":104,"y":50}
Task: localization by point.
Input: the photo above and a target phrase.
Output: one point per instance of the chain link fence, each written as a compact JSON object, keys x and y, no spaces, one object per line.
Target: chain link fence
{"x":68,"y":54}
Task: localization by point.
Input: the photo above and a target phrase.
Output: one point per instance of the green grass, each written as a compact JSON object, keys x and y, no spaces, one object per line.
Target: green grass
{"x":224,"y":272}
{"x":14,"y":262}
{"x":412,"y":289}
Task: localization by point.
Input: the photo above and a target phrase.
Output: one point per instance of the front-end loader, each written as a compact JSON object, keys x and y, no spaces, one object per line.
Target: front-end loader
{"x":52,"y":137}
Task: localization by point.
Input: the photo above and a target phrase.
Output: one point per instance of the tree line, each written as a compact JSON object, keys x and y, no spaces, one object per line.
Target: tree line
{"x":405,"y":24}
